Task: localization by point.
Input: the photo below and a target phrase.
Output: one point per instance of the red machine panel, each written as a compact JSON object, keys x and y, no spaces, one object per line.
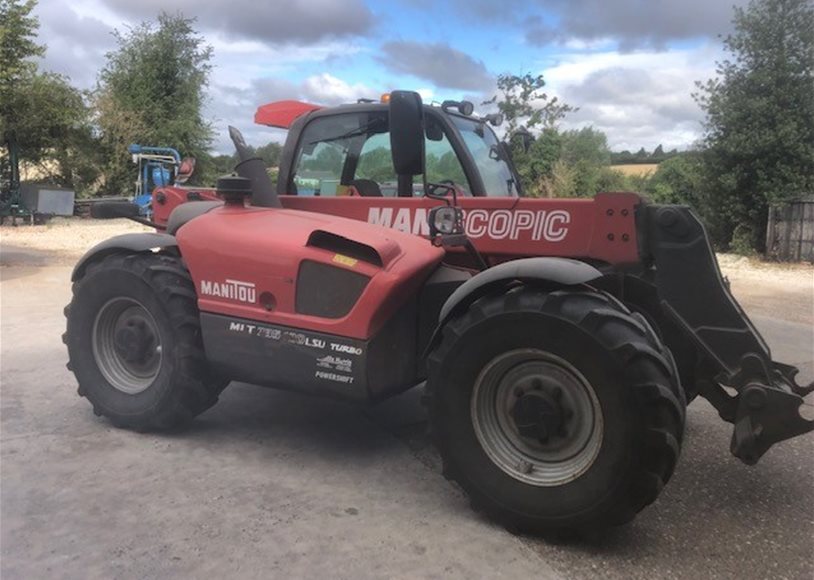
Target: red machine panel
{"x":602,"y":228}
{"x":245,"y":263}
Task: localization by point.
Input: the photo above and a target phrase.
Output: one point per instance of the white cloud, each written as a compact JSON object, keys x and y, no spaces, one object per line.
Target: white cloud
{"x":638,"y":99}
{"x":426,"y":93}
{"x":246,"y":72}
{"x":330,"y":90}
{"x":236,"y":106}
{"x":274,"y":22}
{"x":630,"y":24}
{"x":78,"y":54}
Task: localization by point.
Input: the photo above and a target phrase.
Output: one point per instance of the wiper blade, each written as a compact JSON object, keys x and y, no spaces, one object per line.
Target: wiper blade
{"x":359,"y":131}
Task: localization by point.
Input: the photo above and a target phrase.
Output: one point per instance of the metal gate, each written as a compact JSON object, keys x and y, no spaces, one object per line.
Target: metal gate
{"x":790,"y":232}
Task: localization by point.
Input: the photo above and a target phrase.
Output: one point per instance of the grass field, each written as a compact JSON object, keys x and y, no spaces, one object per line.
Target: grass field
{"x":636,"y":168}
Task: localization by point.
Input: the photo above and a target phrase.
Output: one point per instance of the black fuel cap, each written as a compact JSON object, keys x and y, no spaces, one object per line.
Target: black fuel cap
{"x":234,"y":189}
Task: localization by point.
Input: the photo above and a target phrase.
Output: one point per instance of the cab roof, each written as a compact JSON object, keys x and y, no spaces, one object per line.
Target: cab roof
{"x":281,"y":114}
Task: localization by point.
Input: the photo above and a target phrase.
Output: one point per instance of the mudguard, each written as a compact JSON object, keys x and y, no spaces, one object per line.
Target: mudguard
{"x":563,"y":271}
{"x":125,"y":242}
{"x":560,"y":271}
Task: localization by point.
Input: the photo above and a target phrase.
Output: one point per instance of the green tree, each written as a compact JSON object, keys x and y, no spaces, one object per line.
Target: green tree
{"x":18,"y":47}
{"x":610,"y":179}
{"x":18,"y":53}
{"x":225,"y":164}
{"x":536,"y":166}
{"x":621,"y":157}
{"x":152,"y":91}
{"x":330,"y":158}
{"x":586,"y":144}
{"x":523,"y":101}
{"x":586,"y":152}
{"x":55,"y":133}
{"x":759,"y":130}
{"x":376,"y":164}
{"x":270,"y":153}
{"x":526,"y":107}
{"x":42,"y":117}
{"x":679,"y":180}
{"x":658,"y":154}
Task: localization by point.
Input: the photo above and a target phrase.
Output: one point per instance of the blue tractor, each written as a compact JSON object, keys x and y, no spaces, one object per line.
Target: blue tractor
{"x":157,"y":167}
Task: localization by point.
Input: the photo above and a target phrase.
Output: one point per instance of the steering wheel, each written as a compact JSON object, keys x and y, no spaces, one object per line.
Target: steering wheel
{"x":448,"y":185}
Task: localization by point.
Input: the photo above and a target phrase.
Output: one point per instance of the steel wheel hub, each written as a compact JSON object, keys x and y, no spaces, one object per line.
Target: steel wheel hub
{"x":538,"y":414}
{"x":536,"y":417}
{"x":127,"y":345}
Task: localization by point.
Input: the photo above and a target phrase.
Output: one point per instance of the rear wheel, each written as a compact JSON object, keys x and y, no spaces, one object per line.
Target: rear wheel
{"x":555,"y":410}
{"x":134,"y":342}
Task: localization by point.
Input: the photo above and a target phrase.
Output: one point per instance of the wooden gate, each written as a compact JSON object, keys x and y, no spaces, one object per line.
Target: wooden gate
{"x":790,"y":232}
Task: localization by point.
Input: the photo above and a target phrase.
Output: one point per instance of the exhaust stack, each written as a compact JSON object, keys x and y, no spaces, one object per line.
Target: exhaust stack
{"x":253,"y":169}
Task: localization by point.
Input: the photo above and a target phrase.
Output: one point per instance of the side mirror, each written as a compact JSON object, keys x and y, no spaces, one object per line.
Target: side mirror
{"x":434,"y":131}
{"x":494,"y":119}
{"x":407,"y":132}
{"x":525,"y":138}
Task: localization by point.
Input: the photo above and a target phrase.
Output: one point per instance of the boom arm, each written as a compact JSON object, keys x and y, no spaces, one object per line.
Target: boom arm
{"x":693,"y":292}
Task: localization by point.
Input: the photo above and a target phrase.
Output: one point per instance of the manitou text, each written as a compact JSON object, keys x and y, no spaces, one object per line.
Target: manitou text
{"x":499,"y":224}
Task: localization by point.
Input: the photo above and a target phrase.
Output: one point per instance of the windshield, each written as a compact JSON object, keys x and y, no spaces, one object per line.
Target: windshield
{"x":484,"y":146}
{"x":350,"y":154}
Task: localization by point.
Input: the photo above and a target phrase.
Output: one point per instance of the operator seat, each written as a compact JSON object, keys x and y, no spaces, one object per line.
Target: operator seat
{"x":366,"y":187}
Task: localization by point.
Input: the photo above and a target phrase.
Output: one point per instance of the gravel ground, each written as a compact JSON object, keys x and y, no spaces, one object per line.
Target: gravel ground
{"x":64,"y":240}
{"x":270,"y":483}
{"x":784,"y":291}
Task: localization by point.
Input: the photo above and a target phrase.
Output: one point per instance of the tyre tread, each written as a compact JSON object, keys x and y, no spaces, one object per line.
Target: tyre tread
{"x":633,"y":342}
{"x":195,"y":387}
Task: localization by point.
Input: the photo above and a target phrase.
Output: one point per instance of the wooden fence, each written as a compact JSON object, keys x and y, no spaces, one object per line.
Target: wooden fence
{"x":790,"y":232}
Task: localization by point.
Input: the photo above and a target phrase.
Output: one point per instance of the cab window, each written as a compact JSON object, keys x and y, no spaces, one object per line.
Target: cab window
{"x":320,"y":170}
{"x":340,"y":154}
{"x":484,"y":146}
{"x":442,"y":164}
{"x":376,"y":161}
{"x":326,"y":145}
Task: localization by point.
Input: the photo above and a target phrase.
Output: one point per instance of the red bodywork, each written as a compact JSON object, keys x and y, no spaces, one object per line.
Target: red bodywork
{"x":266,"y":247}
{"x":341,"y":295}
{"x":601,"y":229}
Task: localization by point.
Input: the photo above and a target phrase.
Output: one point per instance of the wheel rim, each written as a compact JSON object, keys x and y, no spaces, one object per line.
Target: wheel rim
{"x":537,"y":417}
{"x":127,"y":345}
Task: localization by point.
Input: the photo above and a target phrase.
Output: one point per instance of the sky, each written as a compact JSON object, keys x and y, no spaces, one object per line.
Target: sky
{"x":630,"y":66}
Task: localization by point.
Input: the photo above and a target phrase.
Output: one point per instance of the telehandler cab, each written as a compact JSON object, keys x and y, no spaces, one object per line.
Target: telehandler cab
{"x":559,"y":339}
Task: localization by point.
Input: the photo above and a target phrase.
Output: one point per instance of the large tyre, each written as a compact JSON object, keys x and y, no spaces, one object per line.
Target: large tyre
{"x":134,"y":342}
{"x":555,"y":411}
{"x":642,"y":297}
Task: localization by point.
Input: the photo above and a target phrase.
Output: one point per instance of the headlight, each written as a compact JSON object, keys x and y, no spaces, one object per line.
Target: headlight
{"x":445,"y":220}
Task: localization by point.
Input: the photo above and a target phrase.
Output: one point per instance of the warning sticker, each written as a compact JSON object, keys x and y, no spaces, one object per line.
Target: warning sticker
{"x":345,"y":260}
{"x":336,"y":363}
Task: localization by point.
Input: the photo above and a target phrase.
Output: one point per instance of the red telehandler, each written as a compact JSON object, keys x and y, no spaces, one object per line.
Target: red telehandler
{"x":559,"y":339}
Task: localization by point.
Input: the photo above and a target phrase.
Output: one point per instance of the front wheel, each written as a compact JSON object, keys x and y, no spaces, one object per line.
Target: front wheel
{"x":134,"y":342}
{"x":555,"y":410}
